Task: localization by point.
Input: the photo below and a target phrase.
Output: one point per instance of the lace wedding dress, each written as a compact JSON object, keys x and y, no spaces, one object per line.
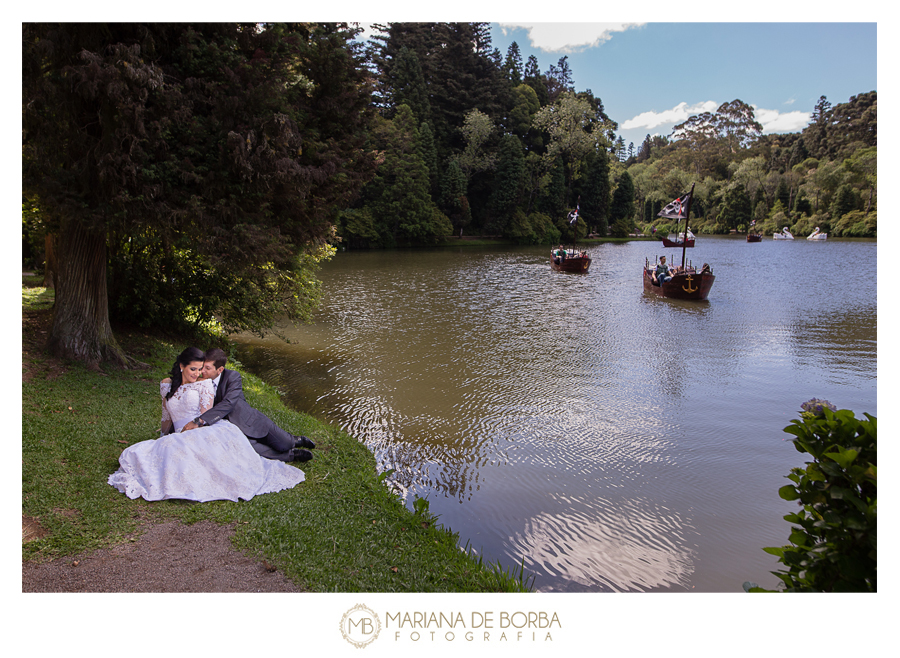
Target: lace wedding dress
{"x":214,"y":462}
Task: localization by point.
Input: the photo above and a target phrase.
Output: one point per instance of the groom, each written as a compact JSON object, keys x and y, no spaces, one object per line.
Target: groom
{"x":267,"y":438}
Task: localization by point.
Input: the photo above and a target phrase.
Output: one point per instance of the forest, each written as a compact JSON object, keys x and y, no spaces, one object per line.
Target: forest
{"x":494,"y":146}
{"x":176,"y":175}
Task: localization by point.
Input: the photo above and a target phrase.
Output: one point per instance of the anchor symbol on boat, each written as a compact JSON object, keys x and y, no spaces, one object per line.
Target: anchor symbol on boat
{"x":688,"y":288}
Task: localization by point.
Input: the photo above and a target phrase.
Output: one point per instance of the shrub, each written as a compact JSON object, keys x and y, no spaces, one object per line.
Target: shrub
{"x":544,"y":230}
{"x":856,"y":224}
{"x":833,"y":536}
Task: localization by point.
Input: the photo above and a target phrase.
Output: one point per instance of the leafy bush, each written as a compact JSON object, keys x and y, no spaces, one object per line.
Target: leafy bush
{"x":833,"y":536}
{"x":857,"y":224}
{"x":544,"y":230}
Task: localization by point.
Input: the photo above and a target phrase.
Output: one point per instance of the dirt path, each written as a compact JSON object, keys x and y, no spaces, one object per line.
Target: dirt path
{"x":166,"y":557}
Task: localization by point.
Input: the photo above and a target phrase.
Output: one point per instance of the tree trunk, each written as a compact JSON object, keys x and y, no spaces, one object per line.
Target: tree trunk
{"x":50,"y":261}
{"x":81,"y":329}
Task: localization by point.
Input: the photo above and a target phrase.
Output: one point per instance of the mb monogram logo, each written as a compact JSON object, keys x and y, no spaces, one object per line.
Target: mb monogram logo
{"x":360,"y":626}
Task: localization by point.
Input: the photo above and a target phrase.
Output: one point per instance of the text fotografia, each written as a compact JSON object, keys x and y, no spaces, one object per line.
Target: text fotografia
{"x":479,"y":626}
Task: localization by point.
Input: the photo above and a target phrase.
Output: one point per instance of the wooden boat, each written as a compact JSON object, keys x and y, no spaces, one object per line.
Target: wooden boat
{"x":754,"y":237}
{"x":569,"y":260}
{"x":815,"y":235}
{"x":678,"y":240}
{"x":687,"y":282}
{"x":784,"y":235}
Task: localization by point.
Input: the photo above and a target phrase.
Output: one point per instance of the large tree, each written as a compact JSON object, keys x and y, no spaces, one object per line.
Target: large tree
{"x":224,"y":151}
{"x":595,"y":192}
{"x":574,"y":130}
{"x":399,"y":197}
{"x":621,"y":209}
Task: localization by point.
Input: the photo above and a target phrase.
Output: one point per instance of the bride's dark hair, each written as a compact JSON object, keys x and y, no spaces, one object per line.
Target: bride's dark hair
{"x":189,"y":355}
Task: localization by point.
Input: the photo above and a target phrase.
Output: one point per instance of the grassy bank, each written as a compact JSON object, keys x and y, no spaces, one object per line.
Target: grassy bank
{"x":340,"y":530}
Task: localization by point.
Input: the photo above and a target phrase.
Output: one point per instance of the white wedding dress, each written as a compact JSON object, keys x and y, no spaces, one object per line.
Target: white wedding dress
{"x":214,"y":462}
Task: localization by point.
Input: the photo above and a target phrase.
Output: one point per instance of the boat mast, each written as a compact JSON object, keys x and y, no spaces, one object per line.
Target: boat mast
{"x":687,"y":216}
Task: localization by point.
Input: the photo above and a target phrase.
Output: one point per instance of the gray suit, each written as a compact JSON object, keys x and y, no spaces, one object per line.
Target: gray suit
{"x":267,"y":438}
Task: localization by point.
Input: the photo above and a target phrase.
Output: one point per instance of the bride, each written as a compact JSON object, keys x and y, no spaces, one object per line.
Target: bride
{"x":214,"y":462}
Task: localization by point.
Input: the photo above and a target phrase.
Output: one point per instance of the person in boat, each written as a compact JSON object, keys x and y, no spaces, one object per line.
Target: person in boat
{"x":662,"y":272}
{"x":705,"y":269}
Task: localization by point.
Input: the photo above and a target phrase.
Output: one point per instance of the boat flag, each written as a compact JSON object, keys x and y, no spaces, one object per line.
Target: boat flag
{"x":677,"y":209}
{"x":573,"y":215}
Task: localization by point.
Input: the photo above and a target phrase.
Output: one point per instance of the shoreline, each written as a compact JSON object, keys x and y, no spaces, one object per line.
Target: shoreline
{"x":342,"y":529}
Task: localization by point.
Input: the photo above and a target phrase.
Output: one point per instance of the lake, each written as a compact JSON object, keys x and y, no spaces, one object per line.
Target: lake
{"x":608,"y":439}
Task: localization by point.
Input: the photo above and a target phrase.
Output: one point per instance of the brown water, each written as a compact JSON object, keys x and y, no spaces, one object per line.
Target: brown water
{"x":613,"y":441}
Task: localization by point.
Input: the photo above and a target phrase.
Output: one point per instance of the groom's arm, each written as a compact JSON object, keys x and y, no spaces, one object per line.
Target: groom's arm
{"x":234,"y":393}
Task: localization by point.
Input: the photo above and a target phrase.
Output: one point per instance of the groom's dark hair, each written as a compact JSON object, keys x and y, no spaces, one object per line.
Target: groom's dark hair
{"x":217,"y":356}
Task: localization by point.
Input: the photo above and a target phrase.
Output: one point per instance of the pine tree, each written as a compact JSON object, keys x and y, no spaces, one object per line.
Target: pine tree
{"x":535,"y":80}
{"x":816,"y":133}
{"x":508,"y":183}
{"x":595,"y":193}
{"x":428,"y":153}
{"x":454,"y":200}
{"x":552,"y":199}
{"x":621,"y":210}
{"x":619,"y":149}
{"x":645,"y":150}
{"x":408,"y":85}
{"x":398,"y":197}
{"x":512,"y":66}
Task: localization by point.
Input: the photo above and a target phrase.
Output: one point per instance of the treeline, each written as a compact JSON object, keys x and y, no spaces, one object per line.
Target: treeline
{"x":472,"y":141}
{"x":825,"y":175}
{"x":475,"y":141}
{"x":177,"y":175}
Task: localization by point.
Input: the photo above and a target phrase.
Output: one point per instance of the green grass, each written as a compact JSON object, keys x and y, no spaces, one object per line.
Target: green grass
{"x":341,"y":530}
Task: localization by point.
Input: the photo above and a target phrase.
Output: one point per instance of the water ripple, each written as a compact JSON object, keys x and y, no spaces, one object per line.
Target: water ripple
{"x":613,"y":440}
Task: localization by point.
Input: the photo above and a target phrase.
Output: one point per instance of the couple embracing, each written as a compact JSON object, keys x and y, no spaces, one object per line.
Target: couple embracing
{"x":213,"y":445}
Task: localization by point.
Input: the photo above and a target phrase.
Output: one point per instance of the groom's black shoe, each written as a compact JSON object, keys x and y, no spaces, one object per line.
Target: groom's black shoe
{"x":303,"y":442}
{"x":300,"y":455}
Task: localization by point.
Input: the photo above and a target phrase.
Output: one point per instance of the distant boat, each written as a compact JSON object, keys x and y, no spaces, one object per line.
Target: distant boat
{"x":569,"y":260}
{"x":678,"y":240}
{"x":815,"y":235}
{"x":784,"y":235}
{"x":686,"y":281}
{"x":754,"y":237}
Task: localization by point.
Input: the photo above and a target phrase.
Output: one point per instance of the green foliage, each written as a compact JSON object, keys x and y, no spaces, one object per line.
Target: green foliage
{"x":621,"y":210}
{"x":454,"y":201}
{"x":398,"y":199}
{"x":508,"y":183}
{"x":833,"y":536}
{"x":595,"y":196}
{"x":736,"y":209}
{"x":845,"y":200}
{"x":856,"y":224}
{"x":536,"y":228}
{"x":204,"y":155}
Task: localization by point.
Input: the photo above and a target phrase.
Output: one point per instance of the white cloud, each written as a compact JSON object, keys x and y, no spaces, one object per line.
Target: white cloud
{"x":678,"y":114}
{"x":774,"y":121}
{"x":568,"y":37}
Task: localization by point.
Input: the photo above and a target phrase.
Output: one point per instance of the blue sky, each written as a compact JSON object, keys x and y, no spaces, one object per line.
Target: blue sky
{"x":651,"y":76}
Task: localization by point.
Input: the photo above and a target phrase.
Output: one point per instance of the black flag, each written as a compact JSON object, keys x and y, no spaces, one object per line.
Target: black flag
{"x":677,"y":209}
